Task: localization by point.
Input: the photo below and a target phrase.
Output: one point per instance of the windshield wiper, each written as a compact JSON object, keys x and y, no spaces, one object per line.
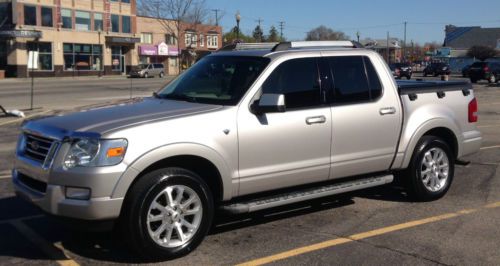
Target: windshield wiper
{"x":182,"y":97}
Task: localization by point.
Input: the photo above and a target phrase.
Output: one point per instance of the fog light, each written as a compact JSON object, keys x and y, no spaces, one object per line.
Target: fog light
{"x":77,"y":193}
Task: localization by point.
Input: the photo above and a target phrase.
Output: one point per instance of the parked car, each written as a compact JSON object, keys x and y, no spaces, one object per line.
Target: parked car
{"x":465,"y":71}
{"x":148,"y":70}
{"x":400,"y":70}
{"x":240,"y":123}
{"x":489,"y":71}
{"x":436,"y":69}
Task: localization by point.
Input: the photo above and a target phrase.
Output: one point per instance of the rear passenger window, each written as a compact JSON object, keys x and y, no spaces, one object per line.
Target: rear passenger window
{"x":355,"y":79}
{"x":158,"y":65}
{"x":297,"y":79}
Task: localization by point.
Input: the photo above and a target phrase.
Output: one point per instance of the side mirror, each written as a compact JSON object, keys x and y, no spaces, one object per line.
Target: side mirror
{"x":269,"y":103}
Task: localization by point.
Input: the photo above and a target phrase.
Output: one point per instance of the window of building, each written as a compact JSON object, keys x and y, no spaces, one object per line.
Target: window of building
{"x":30,"y":15}
{"x":146,"y":38}
{"x":82,"y":57}
{"x":47,"y":19}
{"x":297,"y":79}
{"x":82,"y":20}
{"x":126,"y":24}
{"x":115,"y":23}
{"x":67,"y":21}
{"x":351,"y":82}
{"x":170,"y":39}
{"x":98,"y":25}
{"x":117,"y":58}
{"x":202,"y":40}
{"x":3,"y":54}
{"x":190,"y":38}
{"x":212,"y":41}
{"x":6,"y":13}
{"x":39,"y":55}
{"x":126,"y":1}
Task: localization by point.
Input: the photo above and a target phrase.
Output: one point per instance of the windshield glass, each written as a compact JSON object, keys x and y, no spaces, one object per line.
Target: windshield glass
{"x":216,"y":80}
{"x":142,"y":66}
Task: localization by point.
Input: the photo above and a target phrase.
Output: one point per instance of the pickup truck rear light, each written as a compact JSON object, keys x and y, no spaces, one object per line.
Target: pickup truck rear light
{"x":486,"y":69}
{"x":473,"y":111}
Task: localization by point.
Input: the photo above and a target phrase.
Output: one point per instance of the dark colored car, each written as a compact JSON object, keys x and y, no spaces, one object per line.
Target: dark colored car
{"x":400,"y":70}
{"x":484,"y":70}
{"x":465,"y":71}
{"x":436,"y":69}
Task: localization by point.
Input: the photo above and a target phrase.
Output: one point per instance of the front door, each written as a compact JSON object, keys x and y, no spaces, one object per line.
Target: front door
{"x":279,"y":150}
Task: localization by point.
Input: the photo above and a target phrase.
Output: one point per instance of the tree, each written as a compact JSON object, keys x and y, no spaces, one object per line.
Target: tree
{"x":232,"y":36}
{"x":273,"y":35}
{"x":258,"y":34}
{"x":323,"y":33}
{"x":482,"y":52}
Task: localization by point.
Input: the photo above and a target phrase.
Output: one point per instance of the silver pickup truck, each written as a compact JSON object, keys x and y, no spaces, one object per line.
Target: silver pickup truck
{"x":247,"y":128}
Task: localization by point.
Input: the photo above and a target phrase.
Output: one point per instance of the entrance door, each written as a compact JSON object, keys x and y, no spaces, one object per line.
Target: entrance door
{"x":122,"y":65}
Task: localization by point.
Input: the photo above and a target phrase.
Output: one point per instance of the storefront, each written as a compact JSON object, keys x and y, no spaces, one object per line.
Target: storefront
{"x":161,"y":53}
{"x":123,"y":54}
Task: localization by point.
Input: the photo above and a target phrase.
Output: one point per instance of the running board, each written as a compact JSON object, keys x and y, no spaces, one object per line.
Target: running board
{"x":306,"y":194}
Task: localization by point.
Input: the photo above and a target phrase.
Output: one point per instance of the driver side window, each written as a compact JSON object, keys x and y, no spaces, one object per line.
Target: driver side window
{"x":298,"y":80}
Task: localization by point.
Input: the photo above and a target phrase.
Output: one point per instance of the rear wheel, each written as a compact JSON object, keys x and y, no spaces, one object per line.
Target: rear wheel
{"x":162,"y":74}
{"x":167,"y":213}
{"x":146,"y":75}
{"x":431,"y":169}
{"x":492,"y":79}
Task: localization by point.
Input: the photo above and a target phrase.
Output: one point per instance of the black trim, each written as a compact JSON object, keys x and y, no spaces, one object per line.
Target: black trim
{"x":412,"y":87}
{"x":441,"y":94}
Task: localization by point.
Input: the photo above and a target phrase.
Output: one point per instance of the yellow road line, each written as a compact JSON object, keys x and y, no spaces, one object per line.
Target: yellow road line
{"x":490,"y":147}
{"x":372,"y":233}
{"x":21,"y":119}
{"x":53,"y":251}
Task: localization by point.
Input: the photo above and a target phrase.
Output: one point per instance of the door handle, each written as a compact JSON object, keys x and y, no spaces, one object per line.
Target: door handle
{"x":316,"y":120}
{"x":387,"y":111}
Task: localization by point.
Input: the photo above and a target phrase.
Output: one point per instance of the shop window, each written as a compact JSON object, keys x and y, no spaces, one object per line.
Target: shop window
{"x":3,"y":55}
{"x":116,"y":58}
{"x":115,"y":23}
{"x":98,"y":25}
{"x":67,"y":22}
{"x":146,"y":38}
{"x":82,"y":20}
{"x":30,"y":15}
{"x":39,"y":56}
{"x":126,"y":24}
{"x":47,"y":19}
{"x":82,"y":57}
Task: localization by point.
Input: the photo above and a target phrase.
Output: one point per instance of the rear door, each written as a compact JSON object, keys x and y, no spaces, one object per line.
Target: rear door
{"x":366,"y":117}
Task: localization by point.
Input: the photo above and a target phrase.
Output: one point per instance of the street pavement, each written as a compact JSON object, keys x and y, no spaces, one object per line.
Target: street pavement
{"x":378,"y":226}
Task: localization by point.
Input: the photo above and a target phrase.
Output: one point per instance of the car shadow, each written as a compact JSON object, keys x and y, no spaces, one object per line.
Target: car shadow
{"x":109,"y":246}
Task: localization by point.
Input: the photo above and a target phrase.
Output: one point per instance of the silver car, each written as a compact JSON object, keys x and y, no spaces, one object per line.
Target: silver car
{"x":148,"y":70}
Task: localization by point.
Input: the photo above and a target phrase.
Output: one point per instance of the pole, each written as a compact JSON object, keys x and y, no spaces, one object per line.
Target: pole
{"x":282,"y":25}
{"x":216,"y":16}
{"x":130,"y":87}
{"x":32,"y":73}
{"x":357,"y":35}
{"x":404,"y":44}
{"x":388,"y":50}
{"x":102,"y":52}
{"x":237,"y":29}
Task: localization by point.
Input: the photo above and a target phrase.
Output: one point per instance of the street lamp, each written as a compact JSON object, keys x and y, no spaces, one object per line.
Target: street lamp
{"x":238,"y":18}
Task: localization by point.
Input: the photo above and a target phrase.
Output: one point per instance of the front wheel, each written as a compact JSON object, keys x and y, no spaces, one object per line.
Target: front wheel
{"x":167,"y":213}
{"x":431,"y":169}
{"x":162,"y":74}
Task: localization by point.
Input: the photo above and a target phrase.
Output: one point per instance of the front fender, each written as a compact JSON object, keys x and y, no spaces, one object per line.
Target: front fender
{"x":171,"y":150}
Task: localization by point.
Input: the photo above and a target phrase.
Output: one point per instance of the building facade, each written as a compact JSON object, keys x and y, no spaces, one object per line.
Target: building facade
{"x":390,"y":49}
{"x":68,"y":37}
{"x":198,"y":40}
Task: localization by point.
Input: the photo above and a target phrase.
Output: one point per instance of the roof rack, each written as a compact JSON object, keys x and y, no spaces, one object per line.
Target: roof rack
{"x":249,"y":46}
{"x":284,"y":46}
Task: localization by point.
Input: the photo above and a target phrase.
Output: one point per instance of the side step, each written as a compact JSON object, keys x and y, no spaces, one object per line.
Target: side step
{"x":306,"y":194}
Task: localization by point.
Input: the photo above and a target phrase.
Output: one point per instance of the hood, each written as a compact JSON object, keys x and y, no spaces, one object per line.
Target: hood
{"x":105,"y":119}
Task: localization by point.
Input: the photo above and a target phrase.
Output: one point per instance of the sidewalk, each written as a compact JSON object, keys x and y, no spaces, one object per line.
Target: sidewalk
{"x":108,"y":77}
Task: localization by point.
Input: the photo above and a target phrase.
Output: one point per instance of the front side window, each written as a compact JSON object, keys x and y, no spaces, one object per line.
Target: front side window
{"x":355,"y":79}
{"x":39,"y":55}
{"x":98,"y":26}
{"x":30,"y":15}
{"x":115,"y":23}
{"x":82,"y":20}
{"x":221,"y":80}
{"x":47,"y":19}
{"x":67,"y":22}
{"x":126,"y":24}
{"x":297,"y":79}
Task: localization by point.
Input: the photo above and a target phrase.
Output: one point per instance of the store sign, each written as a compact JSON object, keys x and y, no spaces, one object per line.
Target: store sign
{"x":129,"y":40}
{"x":163,"y":49}
{"x":21,"y":34}
{"x":148,"y":50}
{"x":173,"y":51}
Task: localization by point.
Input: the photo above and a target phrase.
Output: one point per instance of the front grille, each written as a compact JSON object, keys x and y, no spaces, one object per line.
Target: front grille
{"x":32,"y":183}
{"x":37,"y":148}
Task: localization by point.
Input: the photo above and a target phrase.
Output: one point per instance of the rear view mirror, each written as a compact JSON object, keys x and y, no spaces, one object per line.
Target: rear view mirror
{"x":269,"y":103}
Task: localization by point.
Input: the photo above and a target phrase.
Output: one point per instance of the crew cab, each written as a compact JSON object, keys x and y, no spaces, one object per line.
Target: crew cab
{"x":250,"y":127}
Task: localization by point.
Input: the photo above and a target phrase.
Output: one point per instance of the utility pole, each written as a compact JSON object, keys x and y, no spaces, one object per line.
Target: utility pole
{"x":404,"y":44}
{"x":282,"y":25}
{"x":216,"y":16}
{"x":259,"y":21}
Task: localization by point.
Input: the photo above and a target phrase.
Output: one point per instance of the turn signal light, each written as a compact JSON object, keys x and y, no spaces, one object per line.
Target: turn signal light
{"x":115,"y":152}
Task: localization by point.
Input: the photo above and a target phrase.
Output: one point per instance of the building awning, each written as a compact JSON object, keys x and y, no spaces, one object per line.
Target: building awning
{"x":122,"y":40}
{"x":34,"y":34}
{"x":148,"y":50}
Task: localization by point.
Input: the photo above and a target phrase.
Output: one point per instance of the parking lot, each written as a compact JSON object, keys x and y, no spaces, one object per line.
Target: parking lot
{"x":371,"y":227}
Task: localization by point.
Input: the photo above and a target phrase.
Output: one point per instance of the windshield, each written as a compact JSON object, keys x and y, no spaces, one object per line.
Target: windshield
{"x":216,"y":80}
{"x":142,"y":66}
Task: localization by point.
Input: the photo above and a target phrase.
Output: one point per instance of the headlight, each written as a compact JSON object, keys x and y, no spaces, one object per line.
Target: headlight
{"x":92,"y":152}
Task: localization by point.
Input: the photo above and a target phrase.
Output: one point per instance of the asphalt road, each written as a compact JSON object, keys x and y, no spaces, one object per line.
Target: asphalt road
{"x":378,"y":226}
{"x":51,"y":93}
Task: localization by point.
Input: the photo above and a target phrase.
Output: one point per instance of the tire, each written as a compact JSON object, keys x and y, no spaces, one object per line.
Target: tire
{"x":149,"y":196}
{"x":493,"y":78}
{"x":433,"y":169}
{"x":408,"y":77}
{"x":161,"y":75}
{"x":425,"y":74}
{"x":473,"y":80}
{"x":146,"y":75}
